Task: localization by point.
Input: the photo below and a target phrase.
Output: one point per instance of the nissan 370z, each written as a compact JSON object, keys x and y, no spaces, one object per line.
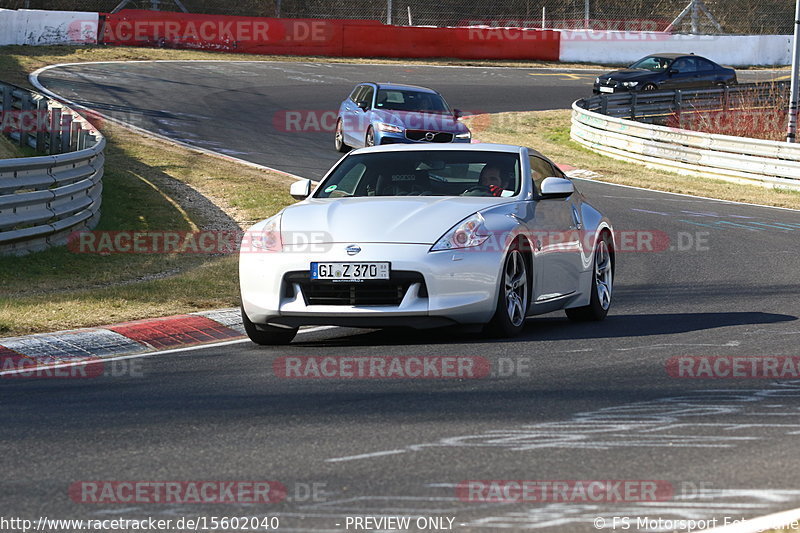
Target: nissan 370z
{"x":425,"y":236}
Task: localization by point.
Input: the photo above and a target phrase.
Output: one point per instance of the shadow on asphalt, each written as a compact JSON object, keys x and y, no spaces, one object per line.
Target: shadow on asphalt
{"x":557,"y":328}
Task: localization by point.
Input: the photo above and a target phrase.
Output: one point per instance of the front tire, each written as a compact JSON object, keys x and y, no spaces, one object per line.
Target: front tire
{"x":370,"y":139}
{"x":266,"y":335}
{"x":602,"y":284}
{"x":512,"y":300}
{"x":338,"y":138}
{"x":649,"y":87}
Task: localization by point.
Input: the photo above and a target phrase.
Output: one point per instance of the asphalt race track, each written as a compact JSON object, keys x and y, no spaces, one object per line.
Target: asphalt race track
{"x":565,"y":401}
{"x":283,"y":114}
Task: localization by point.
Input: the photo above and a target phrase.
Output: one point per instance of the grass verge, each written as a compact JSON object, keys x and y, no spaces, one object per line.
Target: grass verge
{"x":548,"y":132}
{"x":149,"y":185}
{"x":9,"y":150}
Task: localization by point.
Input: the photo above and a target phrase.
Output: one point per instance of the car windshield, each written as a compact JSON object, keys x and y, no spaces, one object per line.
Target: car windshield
{"x":409,"y":100}
{"x":424,"y":173}
{"x":654,"y":63}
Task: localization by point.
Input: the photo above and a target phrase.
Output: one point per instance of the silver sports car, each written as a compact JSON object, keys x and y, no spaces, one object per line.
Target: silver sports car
{"x":425,"y":236}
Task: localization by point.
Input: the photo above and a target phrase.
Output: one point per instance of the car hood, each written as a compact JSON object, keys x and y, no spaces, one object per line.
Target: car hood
{"x":629,"y":74}
{"x":416,"y":120}
{"x":408,"y":219}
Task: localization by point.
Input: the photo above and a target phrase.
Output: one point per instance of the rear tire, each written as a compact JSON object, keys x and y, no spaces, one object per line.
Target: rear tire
{"x":512,"y":300}
{"x":266,"y":335}
{"x":338,"y":138}
{"x":602,"y":284}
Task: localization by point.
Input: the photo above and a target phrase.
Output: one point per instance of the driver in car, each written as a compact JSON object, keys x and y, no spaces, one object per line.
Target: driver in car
{"x":492,"y":178}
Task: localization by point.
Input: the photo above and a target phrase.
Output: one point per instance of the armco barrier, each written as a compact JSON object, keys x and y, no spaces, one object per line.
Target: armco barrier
{"x":738,"y":159}
{"x":333,"y":38}
{"x":44,"y":198}
{"x":660,"y":106}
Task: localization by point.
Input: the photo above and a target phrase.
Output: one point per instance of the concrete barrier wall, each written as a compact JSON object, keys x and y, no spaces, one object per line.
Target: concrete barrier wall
{"x":619,"y":47}
{"x":8,"y":27}
{"x":39,"y":27}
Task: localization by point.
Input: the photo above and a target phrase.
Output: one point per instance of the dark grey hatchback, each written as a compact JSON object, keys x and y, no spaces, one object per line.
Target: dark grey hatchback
{"x":666,"y":72}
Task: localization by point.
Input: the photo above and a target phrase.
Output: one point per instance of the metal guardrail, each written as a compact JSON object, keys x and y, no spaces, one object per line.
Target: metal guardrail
{"x":656,"y":106}
{"x":739,"y":159}
{"x":45,"y":198}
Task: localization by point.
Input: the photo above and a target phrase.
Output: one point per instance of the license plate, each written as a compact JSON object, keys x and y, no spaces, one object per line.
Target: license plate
{"x":349,"y":271}
{"x":606,"y":89}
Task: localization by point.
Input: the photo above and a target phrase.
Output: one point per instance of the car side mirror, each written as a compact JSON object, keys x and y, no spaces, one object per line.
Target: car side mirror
{"x":457,"y":114}
{"x":363,"y":105}
{"x":553,"y":187}
{"x":301,"y":189}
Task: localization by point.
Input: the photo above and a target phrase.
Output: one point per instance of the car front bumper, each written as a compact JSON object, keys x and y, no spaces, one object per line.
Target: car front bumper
{"x":603,"y":89}
{"x":400,"y":138}
{"x":459,"y":286}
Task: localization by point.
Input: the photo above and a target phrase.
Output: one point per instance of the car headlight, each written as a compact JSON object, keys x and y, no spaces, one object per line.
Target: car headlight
{"x":468,"y":233}
{"x":630,"y":83}
{"x":391,"y":128}
{"x":597,"y":80}
{"x":466,"y":135}
{"x":268,"y":239}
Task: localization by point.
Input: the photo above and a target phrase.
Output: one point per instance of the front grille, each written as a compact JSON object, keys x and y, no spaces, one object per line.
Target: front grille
{"x":608,"y":82}
{"x":369,"y":292}
{"x":438,"y":136}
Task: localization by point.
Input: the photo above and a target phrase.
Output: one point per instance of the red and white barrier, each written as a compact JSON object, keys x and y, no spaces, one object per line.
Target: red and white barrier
{"x":371,"y":38}
{"x":335,"y":38}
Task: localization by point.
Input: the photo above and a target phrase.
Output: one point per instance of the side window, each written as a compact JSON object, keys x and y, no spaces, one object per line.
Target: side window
{"x":684,"y":65}
{"x":366,"y":96}
{"x":541,"y":169}
{"x":703,"y":65}
{"x":356,"y":92}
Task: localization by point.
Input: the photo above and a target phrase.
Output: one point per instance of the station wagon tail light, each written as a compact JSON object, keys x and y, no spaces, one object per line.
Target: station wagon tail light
{"x":468,"y":233}
{"x":391,"y":128}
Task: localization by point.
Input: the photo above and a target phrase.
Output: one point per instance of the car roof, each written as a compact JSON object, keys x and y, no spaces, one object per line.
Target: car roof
{"x":472,"y":147}
{"x":402,"y":86}
{"x":673,"y":55}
